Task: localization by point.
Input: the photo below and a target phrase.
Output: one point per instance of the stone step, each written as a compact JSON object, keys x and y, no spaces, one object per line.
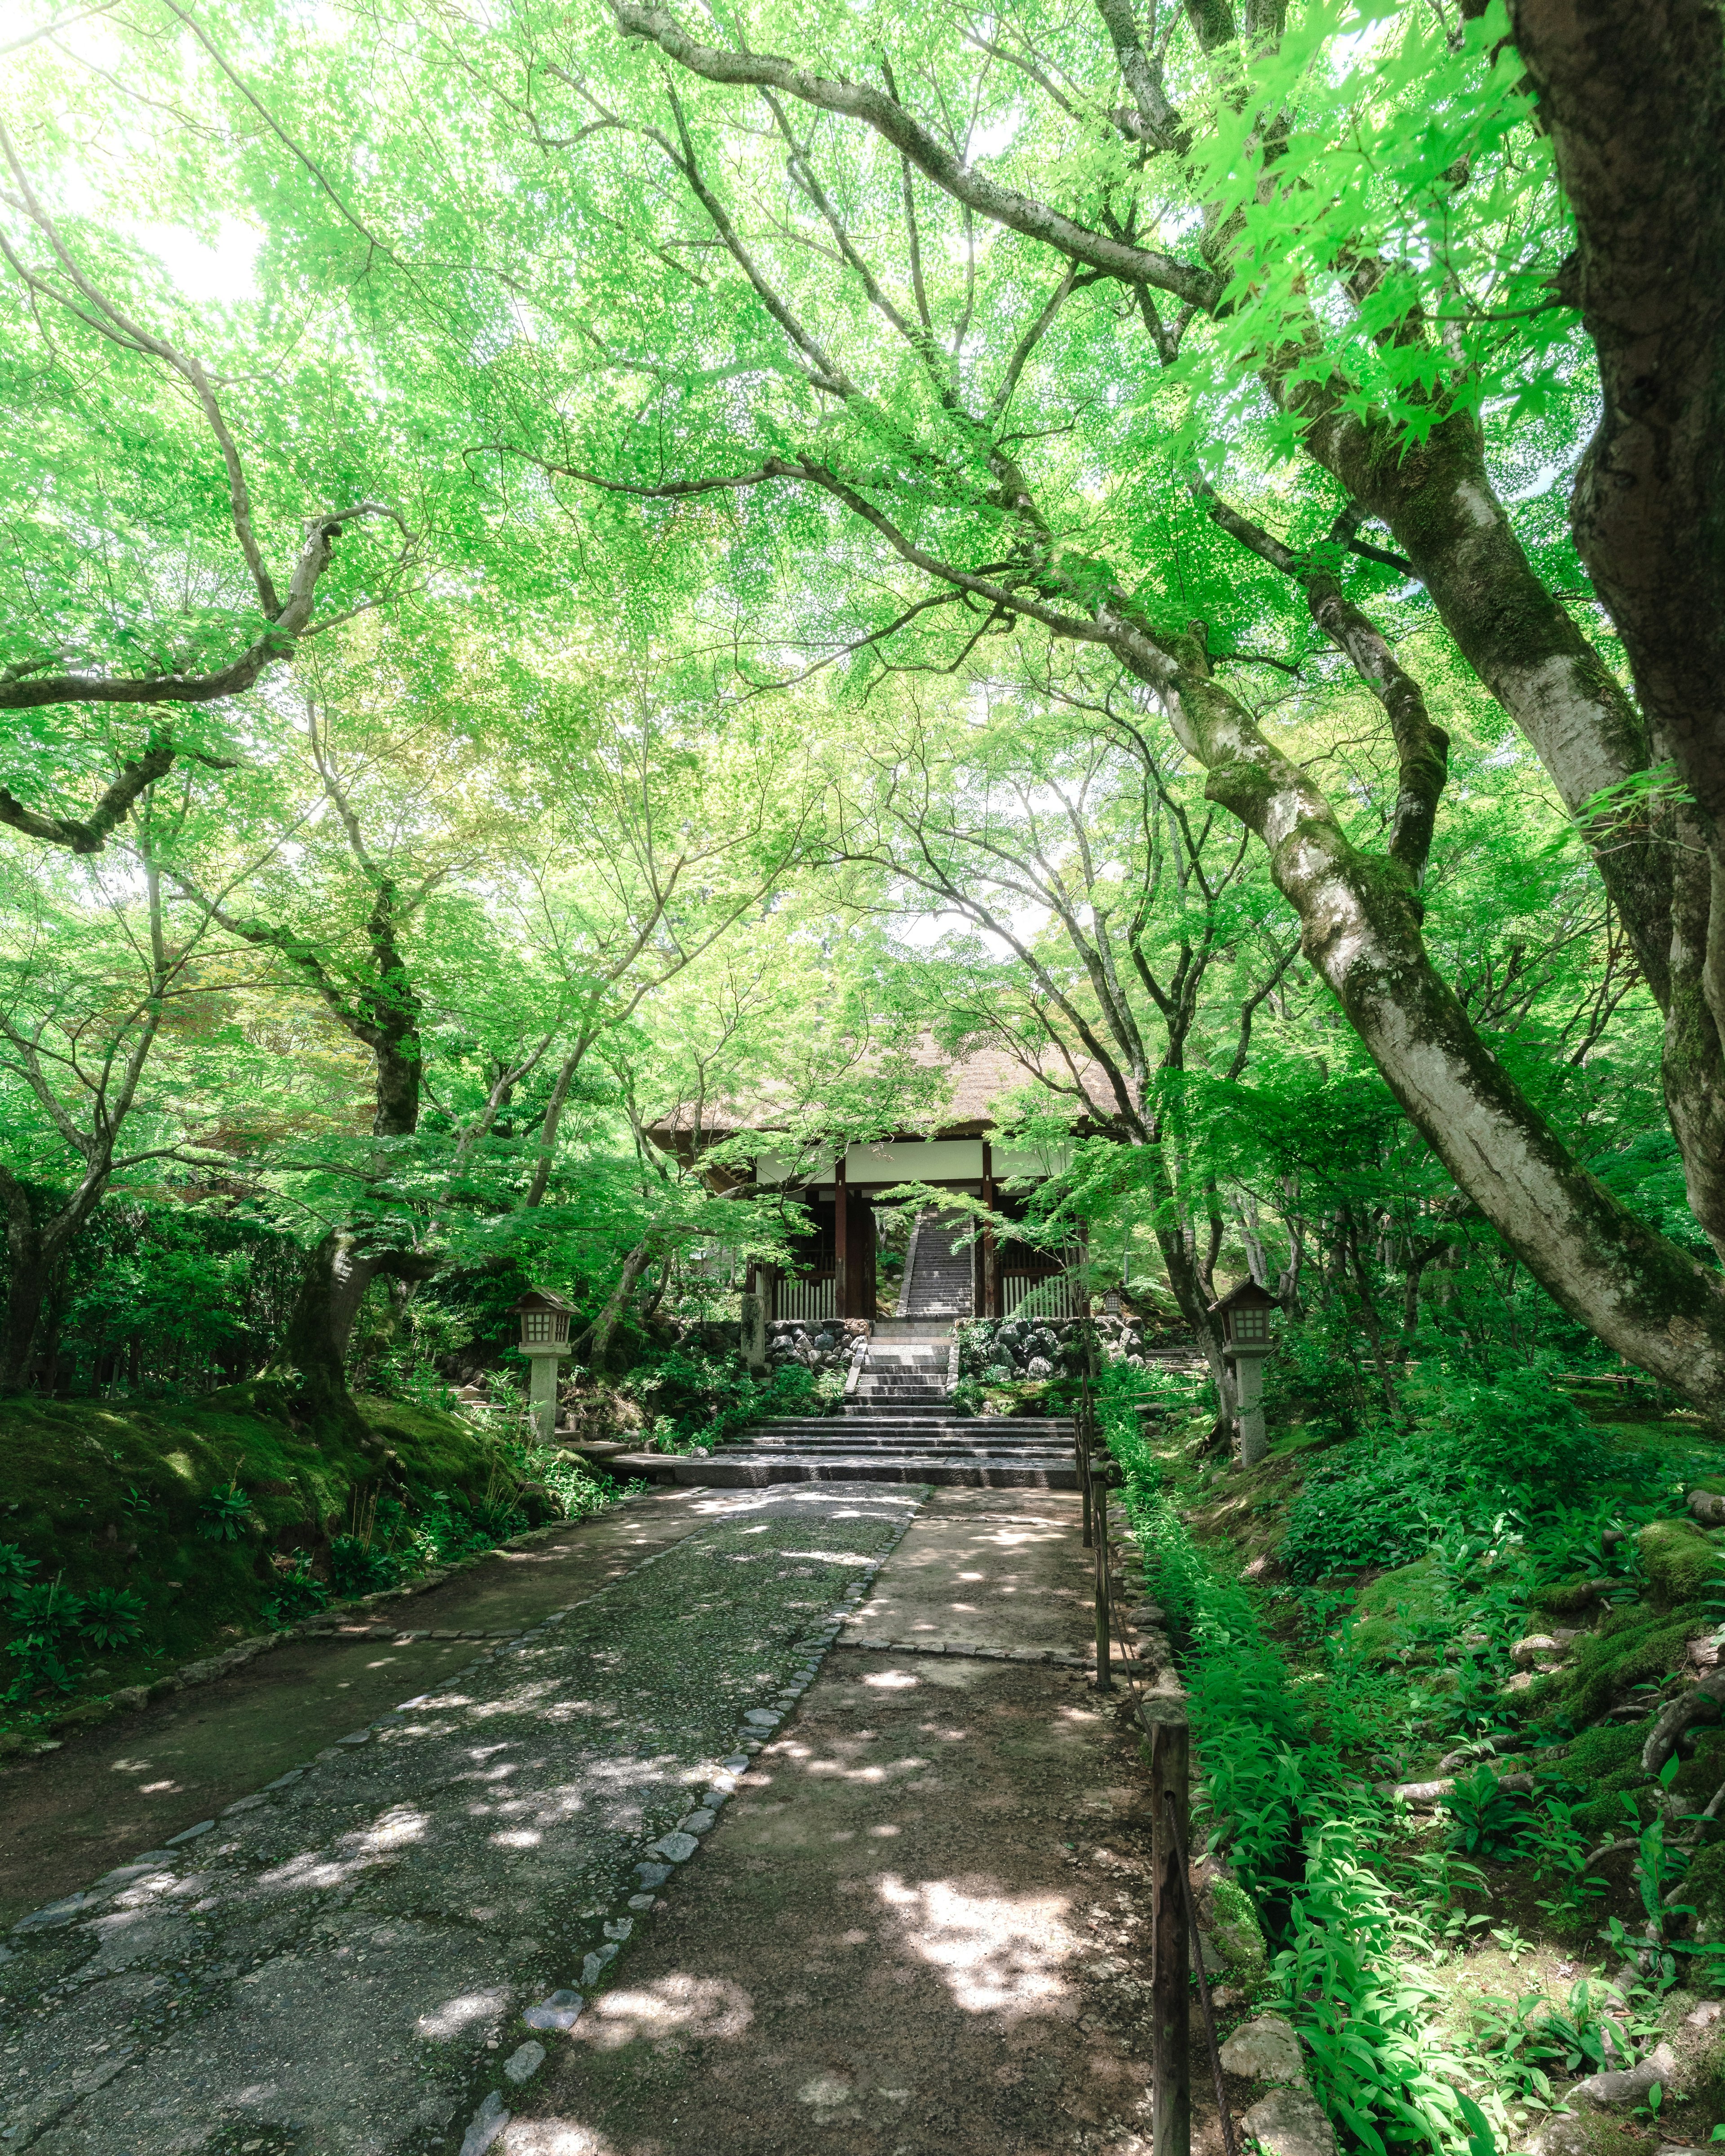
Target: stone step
{"x":739,"y":1469}
{"x":911,"y":1425}
{"x":946,"y":1441}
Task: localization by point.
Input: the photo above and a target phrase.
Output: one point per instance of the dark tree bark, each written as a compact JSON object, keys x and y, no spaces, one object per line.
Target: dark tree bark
{"x":1634,"y":98}
{"x":338,"y":1274}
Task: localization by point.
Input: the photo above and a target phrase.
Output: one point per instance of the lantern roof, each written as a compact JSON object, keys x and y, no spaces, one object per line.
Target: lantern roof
{"x":1248,"y":1296}
{"x":542,"y":1298}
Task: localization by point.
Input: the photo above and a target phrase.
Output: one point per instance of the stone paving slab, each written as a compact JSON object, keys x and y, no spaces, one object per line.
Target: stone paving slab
{"x":340,"y":1965}
{"x":965,"y":1579}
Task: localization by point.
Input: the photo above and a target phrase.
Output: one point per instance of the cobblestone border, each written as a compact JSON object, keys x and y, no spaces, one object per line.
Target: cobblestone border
{"x":558,"y":2013}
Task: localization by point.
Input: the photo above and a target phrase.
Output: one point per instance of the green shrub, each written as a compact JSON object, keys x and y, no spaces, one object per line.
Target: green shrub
{"x":1366,"y":1509}
{"x":299,"y":1593}
{"x":15,"y":1568}
{"x":1487,"y":1819}
{"x":1514,"y":1447}
{"x":47,"y":1618}
{"x":1520,"y":1432}
{"x":358,"y":1568}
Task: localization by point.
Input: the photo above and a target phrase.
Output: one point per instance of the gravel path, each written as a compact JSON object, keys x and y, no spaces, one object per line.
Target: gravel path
{"x":137,"y":1780}
{"x":349,"y":1963}
{"x":921,"y":1926}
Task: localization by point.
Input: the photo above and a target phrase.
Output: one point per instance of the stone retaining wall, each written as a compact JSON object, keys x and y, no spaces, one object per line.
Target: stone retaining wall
{"x":818,"y":1343}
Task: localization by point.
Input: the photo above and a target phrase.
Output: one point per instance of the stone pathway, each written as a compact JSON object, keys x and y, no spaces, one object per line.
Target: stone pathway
{"x":921,"y":1928}
{"x":916,"y":1919}
{"x":332,"y":1964}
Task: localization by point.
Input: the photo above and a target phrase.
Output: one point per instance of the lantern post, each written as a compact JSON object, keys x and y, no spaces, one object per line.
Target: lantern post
{"x":545,"y":1341}
{"x":1245,"y":1341}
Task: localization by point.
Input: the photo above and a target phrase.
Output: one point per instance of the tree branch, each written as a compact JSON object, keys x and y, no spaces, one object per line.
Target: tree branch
{"x":1022,"y":213}
{"x":91,"y":835}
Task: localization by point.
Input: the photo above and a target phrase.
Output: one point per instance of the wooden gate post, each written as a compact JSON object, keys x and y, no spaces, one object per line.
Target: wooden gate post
{"x":1165,"y":1724}
{"x":1105,"y":1584}
{"x":1081,"y":1445}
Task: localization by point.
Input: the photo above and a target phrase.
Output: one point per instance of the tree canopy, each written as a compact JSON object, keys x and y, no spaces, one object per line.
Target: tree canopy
{"x":560,"y":562}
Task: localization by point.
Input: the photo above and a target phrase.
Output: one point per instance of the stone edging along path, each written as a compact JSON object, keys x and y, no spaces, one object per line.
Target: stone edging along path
{"x":329,"y":1623}
{"x":153,"y":1873}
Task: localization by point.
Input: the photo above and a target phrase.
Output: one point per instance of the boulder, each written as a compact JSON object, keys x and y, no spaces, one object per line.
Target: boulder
{"x":1617,"y":2092}
{"x":1266,"y":2050}
{"x":1288,"y":2122}
{"x":1681,"y":1560}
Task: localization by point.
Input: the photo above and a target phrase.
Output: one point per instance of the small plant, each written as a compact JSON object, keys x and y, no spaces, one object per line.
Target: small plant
{"x":112,"y":1617}
{"x":1529,"y":2039}
{"x":225,"y":1516}
{"x":298,"y":1594}
{"x":1559,"y":1849}
{"x":15,"y":1569}
{"x":357,"y":1569}
{"x":47,"y":1617}
{"x":1487,"y":1819}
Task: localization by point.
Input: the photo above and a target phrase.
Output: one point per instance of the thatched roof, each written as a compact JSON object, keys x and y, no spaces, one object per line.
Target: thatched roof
{"x":975,"y":1085}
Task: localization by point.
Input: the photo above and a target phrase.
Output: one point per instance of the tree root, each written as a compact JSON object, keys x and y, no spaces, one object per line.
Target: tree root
{"x":1703,"y":1702}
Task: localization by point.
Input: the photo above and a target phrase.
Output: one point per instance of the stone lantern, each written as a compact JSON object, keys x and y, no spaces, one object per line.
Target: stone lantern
{"x":545,"y":1339}
{"x":1245,"y":1339}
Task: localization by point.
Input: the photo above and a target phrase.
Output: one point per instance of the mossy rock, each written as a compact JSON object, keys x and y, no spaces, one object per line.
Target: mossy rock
{"x":1607,"y":1758}
{"x":1391,"y":1612}
{"x":1238,"y":1932}
{"x":1634,"y":1645}
{"x":1682,"y":1562}
{"x":1704,"y":1884}
{"x":1565,"y":1597}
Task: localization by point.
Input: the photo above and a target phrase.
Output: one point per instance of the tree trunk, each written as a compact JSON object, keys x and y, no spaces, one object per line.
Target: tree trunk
{"x":27,"y":1286}
{"x":596,"y":1342}
{"x":1639,"y":1292}
{"x":34,"y":1248}
{"x":338,"y":1274}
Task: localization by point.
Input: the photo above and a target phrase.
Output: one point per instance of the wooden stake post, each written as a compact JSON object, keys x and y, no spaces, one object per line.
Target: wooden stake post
{"x":1105,"y":1584}
{"x":1165,"y":1725}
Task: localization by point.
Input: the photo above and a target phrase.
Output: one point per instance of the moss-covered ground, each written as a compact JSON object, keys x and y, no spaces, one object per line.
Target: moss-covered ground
{"x":221,"y":1518}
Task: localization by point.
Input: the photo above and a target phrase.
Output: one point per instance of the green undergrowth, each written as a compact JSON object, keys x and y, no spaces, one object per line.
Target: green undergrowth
{"x":1421,"y":1956}
{"x":133,"y":1538}
{"x":699,"y":1400}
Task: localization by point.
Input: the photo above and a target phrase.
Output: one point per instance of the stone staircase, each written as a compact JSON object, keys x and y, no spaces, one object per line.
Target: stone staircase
{"x":941,"y":1283}
{"x":897,"y":1426}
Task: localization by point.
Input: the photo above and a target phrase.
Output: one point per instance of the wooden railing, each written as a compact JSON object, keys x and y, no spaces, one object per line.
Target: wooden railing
{"x":1043,"y":1295}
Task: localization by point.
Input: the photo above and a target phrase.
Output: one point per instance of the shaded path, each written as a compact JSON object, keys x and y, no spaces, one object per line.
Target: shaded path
{"x":131,"y":1783}
{"x":917,"y":1921}
{"x":916,"y":1930}
{"x":329,"y":1967}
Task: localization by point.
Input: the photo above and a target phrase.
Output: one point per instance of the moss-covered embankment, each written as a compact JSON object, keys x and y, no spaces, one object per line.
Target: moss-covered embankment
{"x":133,"y":1538}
